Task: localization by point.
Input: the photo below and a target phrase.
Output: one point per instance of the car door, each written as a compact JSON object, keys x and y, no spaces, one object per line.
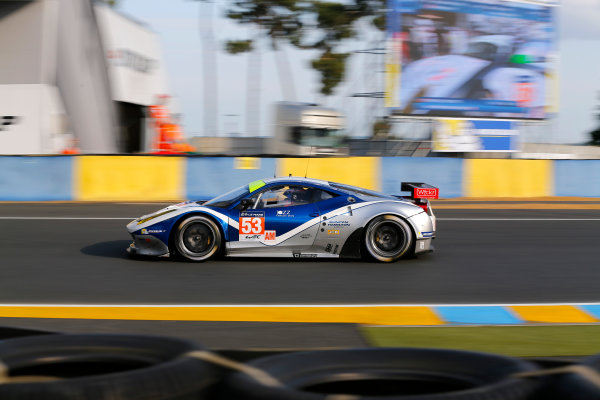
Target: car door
{"x":337,"y":224}
{"x":282,"y":221}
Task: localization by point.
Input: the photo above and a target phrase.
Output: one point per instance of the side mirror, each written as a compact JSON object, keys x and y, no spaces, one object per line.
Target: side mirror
{"x":245,"y":203}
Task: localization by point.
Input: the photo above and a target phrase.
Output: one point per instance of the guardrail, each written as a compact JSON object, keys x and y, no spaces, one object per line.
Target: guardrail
{"x":165,"y":178}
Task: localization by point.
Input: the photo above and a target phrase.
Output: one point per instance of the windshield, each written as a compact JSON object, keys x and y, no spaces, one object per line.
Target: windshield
{"x":358,"y":191}
{"x":227,"y":199}
{"x":317,"y":137}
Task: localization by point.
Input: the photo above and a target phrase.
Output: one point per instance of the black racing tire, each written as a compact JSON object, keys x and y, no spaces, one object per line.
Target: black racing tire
{"x":385,"y":373}
{"x":7,"y":332}
{"x":103,"y":367}
{"x":387,"y":238}
{"x":197,"y":238}
{"x":573,"y":385}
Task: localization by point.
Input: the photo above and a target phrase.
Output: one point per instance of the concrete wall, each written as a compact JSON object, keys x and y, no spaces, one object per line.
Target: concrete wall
{"x":577,"y":178}
{"x":168,"y":178}
{"x":21,"y":33}
{"x":55,"y":45}
{"x":82,"y":77}
{"x":36,"y":178}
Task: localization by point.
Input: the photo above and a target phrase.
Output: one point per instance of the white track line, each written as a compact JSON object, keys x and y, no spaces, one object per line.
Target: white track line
{"x":439,"y":219}
{"x":69,"y":218}
{"x":518,"y":219}
{"x":297,"y":305}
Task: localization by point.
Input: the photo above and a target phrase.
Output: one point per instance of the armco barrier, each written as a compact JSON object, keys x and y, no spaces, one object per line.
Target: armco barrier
{"x":36,"y":178}
{"x":507,"y":178}
{"x":358,"y":171}
{"x":577,"y":178}
{"x":129,"y":178}
{"x":211,"y":176}
{"x":445,"y":173}
{"x":166,"y":178}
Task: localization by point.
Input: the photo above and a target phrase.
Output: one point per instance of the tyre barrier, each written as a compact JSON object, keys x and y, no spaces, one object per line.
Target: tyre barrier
{"x":102,"y":367}
{"x":134,"y":367}
{"x":569,"y":381}
{"x":11,"y":333}
{"x":390,"y":373}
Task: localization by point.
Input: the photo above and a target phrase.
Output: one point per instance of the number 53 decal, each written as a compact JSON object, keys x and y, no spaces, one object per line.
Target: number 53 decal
{"x":252,"y":223}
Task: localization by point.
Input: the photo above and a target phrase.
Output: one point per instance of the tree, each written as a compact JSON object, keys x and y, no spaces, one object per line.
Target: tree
{"x":308,"y":24}
{"x":595,"y":134}
{"x":111,"y":3}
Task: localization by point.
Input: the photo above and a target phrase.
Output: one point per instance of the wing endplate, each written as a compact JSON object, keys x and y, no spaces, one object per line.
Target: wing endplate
{"x":419,"y":190}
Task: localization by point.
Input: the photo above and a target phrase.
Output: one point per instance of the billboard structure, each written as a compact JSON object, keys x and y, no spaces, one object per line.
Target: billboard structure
{"x":475,"y":135}
{"x":471,"y":59}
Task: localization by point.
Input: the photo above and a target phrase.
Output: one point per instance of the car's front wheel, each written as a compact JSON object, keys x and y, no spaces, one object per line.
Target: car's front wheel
{"x":387,"y":238}
{"x":197,"y":238}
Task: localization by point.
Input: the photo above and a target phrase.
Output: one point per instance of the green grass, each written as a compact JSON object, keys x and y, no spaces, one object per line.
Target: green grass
{"x":520,"y":341}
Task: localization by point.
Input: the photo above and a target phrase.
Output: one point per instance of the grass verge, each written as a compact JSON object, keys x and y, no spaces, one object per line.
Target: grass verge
{"x":519,"y":341}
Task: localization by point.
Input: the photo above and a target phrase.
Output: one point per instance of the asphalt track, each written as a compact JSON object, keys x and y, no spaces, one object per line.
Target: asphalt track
{"x":74,"y":253}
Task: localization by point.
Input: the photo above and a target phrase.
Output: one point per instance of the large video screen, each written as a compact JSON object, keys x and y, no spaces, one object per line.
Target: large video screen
{"x":462,"y":58}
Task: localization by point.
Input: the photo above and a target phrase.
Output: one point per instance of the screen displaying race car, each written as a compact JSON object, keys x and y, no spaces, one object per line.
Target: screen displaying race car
{"x":292,"y":217}
{"x":472,"y":58}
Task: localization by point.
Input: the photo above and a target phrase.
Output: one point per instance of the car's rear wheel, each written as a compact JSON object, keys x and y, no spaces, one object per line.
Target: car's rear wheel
{"x":387,"y":238}
{"x":198,"y":238}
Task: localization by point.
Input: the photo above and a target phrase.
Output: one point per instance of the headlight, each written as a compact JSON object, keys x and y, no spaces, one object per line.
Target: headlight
{"x":152,"y":216}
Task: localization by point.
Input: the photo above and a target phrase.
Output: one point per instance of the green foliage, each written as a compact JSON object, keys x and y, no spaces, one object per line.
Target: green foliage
{"x":308,"y":24}
{"x":238,"y":46}
{"x":278,"y":18}
{"x":332,"y":67}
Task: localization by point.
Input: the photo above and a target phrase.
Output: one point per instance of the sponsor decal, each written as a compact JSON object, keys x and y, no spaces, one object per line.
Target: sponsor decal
{"x":333,"y":231}
{"x":151,"y":231}
{"x":131,"y":59}
{"x":426,"y":193}
{"x":7,"y":120}
{"x":304,"y":255}
{"x":328,"y":248}
{"x":246,"y":163}
{"x":305,"y":236}
{"x":339,"y":223}
{"x":270,"y":236}
{"x":284,"y":213}
{"x":251,"y":223}
{"x":250,"y":237}
{"x":422,"y":245}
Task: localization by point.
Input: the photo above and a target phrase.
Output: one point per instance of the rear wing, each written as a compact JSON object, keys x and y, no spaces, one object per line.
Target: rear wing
{"x":420,"y":190}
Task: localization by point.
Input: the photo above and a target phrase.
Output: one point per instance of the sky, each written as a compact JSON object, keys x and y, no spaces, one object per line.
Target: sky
{"x":178,"y":24}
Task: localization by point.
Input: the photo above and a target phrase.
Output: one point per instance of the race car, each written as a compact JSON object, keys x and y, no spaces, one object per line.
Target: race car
{"x":292,"y":217}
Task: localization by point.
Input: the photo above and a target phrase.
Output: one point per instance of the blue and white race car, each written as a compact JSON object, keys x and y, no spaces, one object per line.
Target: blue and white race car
{"x":292,"y":217}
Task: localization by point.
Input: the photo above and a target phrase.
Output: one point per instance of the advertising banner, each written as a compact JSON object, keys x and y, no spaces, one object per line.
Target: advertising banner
{"x":471,"y":58}
{"x":463,"y":135}
{"x":137,"y":71}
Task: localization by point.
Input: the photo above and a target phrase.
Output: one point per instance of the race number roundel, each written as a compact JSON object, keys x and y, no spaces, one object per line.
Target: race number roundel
{"x":252,"y":223}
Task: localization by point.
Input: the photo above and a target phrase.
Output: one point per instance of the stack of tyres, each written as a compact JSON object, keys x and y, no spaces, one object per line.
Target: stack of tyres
{"x":7,"y":332}
{"x":102,"y":367}
{"x":384,"y":373}
{"x":48,"y":366}
{"x":577,"y":381}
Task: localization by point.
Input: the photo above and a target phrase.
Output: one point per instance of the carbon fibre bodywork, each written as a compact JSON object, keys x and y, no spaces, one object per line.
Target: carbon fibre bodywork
{"x":328,"y":228}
